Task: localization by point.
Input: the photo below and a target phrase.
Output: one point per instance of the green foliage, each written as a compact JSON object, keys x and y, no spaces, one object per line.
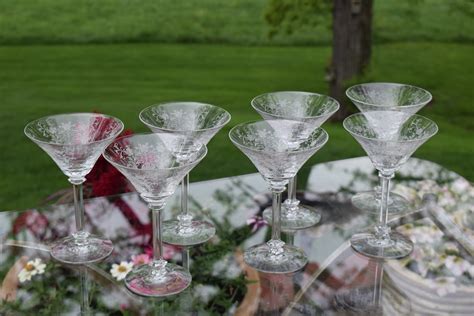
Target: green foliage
{"x":447,"y":21}
{"x":291,"y":15}
{"x":463,"y":7}
{"x":216,"y":21}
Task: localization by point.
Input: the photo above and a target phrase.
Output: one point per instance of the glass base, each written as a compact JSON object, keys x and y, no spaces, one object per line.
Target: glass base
{"x":359,"y":300}
{"x":196,"y":233}
{"x":367,"y":201}
{"x":158,"y":280}
{"x":85,"y":249}
{"x":397,"y":247}
{"x":303,"y":217}
{"x":275,"y":256}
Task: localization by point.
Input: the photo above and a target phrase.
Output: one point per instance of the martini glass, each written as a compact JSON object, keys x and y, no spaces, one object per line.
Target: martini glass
{"x":278,"y":151}
{"x":193,"y":125}
{"x":313,"y":109}
{"x":150,"y":163}
{"x":389,"y":138}
{"x":75,"y":142}
{"x":380,"y":96}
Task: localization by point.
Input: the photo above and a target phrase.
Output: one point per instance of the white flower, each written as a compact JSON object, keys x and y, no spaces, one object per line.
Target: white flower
{"x":119,"y":271}
{"x":31,"y":268}
{"x":457,"y":265}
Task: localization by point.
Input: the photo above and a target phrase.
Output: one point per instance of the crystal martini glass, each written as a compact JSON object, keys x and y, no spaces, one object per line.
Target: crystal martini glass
{"x":150,"y":163}
{"x":381,"y":96}
{"x":75,"y":142}
{"x":278,"y":153}
{"x":389,"y":138}
{"x":310,"y":108}
{"x":193,"y":124}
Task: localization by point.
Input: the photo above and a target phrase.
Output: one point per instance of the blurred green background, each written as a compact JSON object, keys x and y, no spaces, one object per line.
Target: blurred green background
{"x":118,"y":57}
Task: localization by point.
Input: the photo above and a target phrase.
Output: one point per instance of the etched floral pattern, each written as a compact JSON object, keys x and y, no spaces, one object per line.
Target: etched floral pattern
{"x":150,"y":164}
{"x":388,"y":96}
{"x":389,"y":137}
{"x":74,"y":141}
{"x":277,"y":147}
{"x":193,"y":124}
{"x":311,"y":108}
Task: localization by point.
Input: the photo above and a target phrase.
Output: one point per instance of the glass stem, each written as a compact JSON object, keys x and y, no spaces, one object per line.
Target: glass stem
{"x":275,"y":244}
{"x":78,"y":207}
{"x":291,"y":203}
{"x":377,"y":299}
{"x":157,"y":239}
{"x":185,"y":219}
{"x":84,"y":292}
{"x":80,"y":236}
{"x":276,"y":213}
{"x":292,"y":189}
{"x":185,"y":257}
{"x":290,"y":238}
{"x":382,"y":231}
{"x":184,"y":194}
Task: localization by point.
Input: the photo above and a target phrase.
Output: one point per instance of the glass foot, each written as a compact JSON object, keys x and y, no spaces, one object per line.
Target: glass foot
{"x":367,"y":201}
{"x":301,"y":218}
{"x":275,"y":256}
{"x":158,"y":279}
{"x":197,"y":232}
{"x":397,"y":247}
{"x":85,"y":248}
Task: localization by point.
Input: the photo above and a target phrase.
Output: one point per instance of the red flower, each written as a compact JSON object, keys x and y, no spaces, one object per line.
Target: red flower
{"x":105,"y":180}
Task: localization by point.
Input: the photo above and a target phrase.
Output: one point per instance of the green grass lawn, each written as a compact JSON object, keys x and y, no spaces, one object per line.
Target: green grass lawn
{"x":122,"y":79}
{"x":213,"y":21}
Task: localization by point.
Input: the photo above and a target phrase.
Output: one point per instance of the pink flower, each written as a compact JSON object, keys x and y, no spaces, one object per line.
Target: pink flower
{"x":141,"y":259}
{"x":256,"y":222}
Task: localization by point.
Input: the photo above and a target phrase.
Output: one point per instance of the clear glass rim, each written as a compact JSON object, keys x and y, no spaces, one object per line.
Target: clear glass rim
{"x":344,"y":124}
{"x":150,"y":125}
{"x":105,"y":155}
{"x":254,"y":103}
{"x":238,"y":144}
{"x":74,"y":114}
{"x":430,"y":96}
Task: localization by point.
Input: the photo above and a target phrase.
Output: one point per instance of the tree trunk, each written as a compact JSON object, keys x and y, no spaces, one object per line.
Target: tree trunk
{"x":351,"y":50}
